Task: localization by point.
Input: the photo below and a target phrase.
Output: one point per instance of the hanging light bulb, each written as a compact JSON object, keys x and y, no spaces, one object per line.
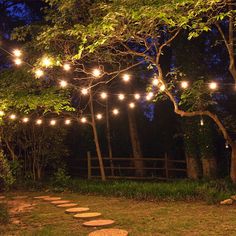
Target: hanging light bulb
{"x":213,"y":85}
{"x":67,"y":122}
{"x":103,"y":95}
{"x":155,"y":82}
{"x":83,"y":120}
{"x":84,"y":91}
{"x":126,"y":78}
{"x":25,"y":119}
{"x":96,"y":72}
{"x":17,"y":52}
{"x":162,"y":87}
{"x":184,"y":84}
{"x":63,"y":84}
{"x":99,"y":116}
{"x":2,"y":113}
{"x":39,"y":121}
{"x":115,"y":111}
{"x":18,"y":61}
{"x":201,"y":122}
{"x":66,"y":67}
{"x":12,"y":116}
{"x":39,"y":73}
{"x":149,"y":96}
{"x":46,"y":62}
{"x":53,"y":122}
{"x":226,"y":145}
{"x":137,"y":96}
{"x":121,"y":96}
{"x":132,"y":105}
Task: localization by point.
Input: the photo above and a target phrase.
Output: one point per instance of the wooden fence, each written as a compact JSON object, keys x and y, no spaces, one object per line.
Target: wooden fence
{"x":123,"y":168}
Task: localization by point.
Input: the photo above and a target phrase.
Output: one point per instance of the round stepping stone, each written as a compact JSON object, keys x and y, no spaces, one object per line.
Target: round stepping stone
{"x":68,"y":205}
{"x":52,"y":198}
{"x":41,"y":197}
{"x":87,"y":215}
{"x":77,"y":209}
{"x":2,"y":197}
{"x":96,"y":223}
{"x":60,"y":202}
{"x":109,"y":232}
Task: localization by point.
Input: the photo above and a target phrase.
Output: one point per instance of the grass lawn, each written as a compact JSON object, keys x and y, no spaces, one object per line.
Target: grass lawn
{"x":138,"y":217}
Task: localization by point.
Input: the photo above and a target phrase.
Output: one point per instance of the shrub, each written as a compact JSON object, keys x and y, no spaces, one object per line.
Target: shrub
{"x":60,"y":180}
{"x":4,"y":215}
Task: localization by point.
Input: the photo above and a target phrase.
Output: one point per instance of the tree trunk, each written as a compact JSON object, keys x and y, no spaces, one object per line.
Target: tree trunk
{"x":233,"y":163}
{"x":96,"y":140}
{"x":194,"y":170}
{"x":137,"y":152}
{"x":109,"y":139}
{"x":209,"y":167}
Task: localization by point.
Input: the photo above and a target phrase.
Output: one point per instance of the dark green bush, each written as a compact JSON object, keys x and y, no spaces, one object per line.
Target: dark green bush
{"x":60,"y":181}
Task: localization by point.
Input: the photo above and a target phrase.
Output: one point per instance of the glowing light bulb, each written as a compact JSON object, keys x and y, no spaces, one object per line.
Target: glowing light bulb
{"x":2,"y":113}
{"x":12,"y":116}
{"x":162,"y":87}
{"x":84,"y":91}
{"x":17,"y":53}
{"x":96,"y":73}
{"x":99,"y":116}
{"x":132,"y":105}
{"x":226,"y":145}
{"x":115,"y":111}
{"x":18,"y":61}
{"x":213,"y":85}
{"x":53,"y":122}
{"x":184,"y":84}
{"x":155,"y":82}
{"x":126,"y":78}
{"x":39,"y":73}
{"x":201,"y":122}
{"x":67,"y":122}
{"x":137,"y":96}
{"x":25,"y":119}
{"x":46,"y":62}
{"x":121,"y":96}
{"x":39,"y":122}
{"x":63,"y":83}
{"x":149,"y":96}
{"x":66,"y":67}
{"x":83,"y":120}
{"x":103,"y":95}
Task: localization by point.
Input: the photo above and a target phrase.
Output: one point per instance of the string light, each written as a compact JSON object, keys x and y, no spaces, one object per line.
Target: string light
{"x":184,"y":84}
{"x":99,"y":116}
{"x":12,"y":116}
{"x":66,"y":67}
{"x":162,"y":87}
{"x":213,"y":85}
{"x":226,"y":145}
{"x":115,"y":111}
{"x":149,"y":96}
{"x":2,"y":113}
{"x":121,"y":96}
{"x":63,"y":83}
{"x":18,"y":61}
{"x":103,"y":95}
{"x":83,"y":120}
{"x":132,"y":105}
{"x":201,"y":122}
{"x":39,"y":73}
{"x":67,"y":122}
{"x":53,"y":122}
{"x":84,"y":91}
{"x":155,"y":82}
{"x":46,"y":62}
{"x":126,"y":78}
{"x":137,"y":96}
{"x":39,"y":122}
{"x":96,"y":73}
{"x":17,"y":52}
{"x":25,"y":119}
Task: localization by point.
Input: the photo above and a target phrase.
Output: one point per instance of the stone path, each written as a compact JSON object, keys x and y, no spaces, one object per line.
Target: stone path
{"x":81,"y":213}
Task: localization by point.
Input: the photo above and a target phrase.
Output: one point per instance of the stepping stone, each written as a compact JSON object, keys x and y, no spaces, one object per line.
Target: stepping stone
{"x":68,"y":205}
{"x":20,"y":197}
{"x":96,"y":223}
{"x":41,"y":197}
{"x":2,"y":197}
{"x":87,"y":215}
{"x":227,"y":202}
{"x":51,"y":198}
{"x":109,"y":232}
{"x":76,"y":209}
{"x":60,"y":202}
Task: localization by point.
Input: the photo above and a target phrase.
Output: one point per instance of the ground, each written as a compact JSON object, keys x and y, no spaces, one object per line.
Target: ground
{"x":140,"y":218}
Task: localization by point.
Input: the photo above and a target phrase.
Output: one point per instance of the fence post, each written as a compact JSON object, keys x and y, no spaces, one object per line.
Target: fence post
{"x":166,"y":166}
{"x":89,"y":165}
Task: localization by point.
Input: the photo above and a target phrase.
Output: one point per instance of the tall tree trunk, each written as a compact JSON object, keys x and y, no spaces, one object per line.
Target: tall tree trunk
{"x":233,"y":163}
{"x":137,"y":152}
{"x":96,"y":140}
{"x":108,"y":133}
